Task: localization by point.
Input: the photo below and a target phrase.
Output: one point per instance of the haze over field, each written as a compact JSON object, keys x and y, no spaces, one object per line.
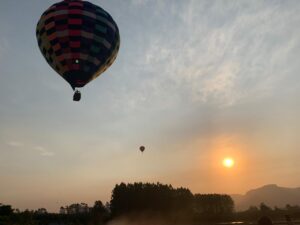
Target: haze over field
{"x":195,"y":82}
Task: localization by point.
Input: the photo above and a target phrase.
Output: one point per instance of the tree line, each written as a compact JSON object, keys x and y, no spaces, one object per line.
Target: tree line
{"x":172,"y":203}
{"x":275,"y":213}
{"x":75,"y":214}
{"x":132,"y":200}
{"x":152,"y":199}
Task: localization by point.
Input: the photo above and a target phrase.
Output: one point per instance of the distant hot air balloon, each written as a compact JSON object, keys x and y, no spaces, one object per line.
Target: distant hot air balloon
{"x":79,"y":40}
{"x":142,"y":149}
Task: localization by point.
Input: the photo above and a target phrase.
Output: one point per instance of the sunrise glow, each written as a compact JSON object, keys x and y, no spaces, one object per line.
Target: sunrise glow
{"x":228,"y":162}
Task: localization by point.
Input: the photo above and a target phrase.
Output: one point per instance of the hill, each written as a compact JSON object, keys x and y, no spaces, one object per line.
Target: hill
{"x":272,"y":195}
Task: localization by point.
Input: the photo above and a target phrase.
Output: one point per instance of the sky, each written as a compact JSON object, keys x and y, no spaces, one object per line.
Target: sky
{"x":195,"y":81}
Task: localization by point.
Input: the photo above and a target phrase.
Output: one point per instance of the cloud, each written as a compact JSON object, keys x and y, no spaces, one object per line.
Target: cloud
{"x":215,"y":52}
{"x":139,"y":2}
{"x":221,"y":86}
{"x":43,"y":151}
{"x":15,"y":144}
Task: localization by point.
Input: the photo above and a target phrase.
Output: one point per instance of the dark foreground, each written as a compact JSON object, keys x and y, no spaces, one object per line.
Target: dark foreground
{"x":153,"y":204}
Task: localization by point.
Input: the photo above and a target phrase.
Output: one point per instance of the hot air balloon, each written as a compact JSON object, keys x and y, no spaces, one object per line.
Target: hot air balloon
{"x":142,"y":149}
{"x":79,"y":40}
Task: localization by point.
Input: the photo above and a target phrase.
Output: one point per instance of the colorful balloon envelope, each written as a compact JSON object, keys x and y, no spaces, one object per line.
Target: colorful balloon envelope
{"x":78,"y":39}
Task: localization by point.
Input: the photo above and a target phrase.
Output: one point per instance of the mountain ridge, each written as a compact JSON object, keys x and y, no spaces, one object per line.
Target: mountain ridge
{"x":270,"y":194}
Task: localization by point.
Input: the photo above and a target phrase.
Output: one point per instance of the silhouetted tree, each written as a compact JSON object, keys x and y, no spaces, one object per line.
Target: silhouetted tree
{"x":264,"y":220}
{"x":98,"y":207}
{"x":213,"y":206}
{"x":148,"y":197}
{"x":264,"y":208}
{"x":5,"y":210}
{"x":41,"y":211}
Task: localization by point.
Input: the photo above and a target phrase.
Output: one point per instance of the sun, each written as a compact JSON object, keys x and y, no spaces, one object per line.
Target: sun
{"x":228,"y":162}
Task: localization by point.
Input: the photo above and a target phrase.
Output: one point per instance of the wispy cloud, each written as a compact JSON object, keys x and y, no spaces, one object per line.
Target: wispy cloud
{"x":43,"y":151}
{"x":15,"y":144}
{"x":217,"y":52}
{"x":139,"y":2}
{"x":40,"y":149}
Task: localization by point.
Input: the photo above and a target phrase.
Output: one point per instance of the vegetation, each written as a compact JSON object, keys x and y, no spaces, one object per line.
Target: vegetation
{"x":148,"y":200}
{"x":276,"y":213}
{"x":75,"y":214}
{"x":211,"y":207}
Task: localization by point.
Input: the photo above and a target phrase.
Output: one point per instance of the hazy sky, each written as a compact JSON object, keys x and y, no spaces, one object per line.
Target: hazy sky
{"x":195,"y":81}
